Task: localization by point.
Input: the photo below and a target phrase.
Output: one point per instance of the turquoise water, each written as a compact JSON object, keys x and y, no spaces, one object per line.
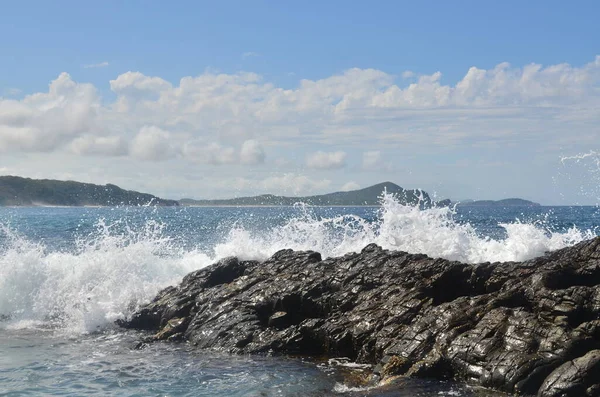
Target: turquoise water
{"x":66,"y":274}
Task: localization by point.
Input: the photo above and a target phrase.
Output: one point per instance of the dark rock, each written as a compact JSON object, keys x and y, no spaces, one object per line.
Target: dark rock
{"x":523,"y":328}
{"x":579,"y":377}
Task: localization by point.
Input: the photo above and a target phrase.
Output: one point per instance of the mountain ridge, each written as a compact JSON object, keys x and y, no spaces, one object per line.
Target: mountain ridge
{"x":22,"y":192}
{"x":366,"y":196}
{"x":508,"y":202}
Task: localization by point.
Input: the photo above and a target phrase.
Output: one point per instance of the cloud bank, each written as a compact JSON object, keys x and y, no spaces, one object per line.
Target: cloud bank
{"x":326,"y":161}
{"x":230,"y":109}
{"x":345,"y":121}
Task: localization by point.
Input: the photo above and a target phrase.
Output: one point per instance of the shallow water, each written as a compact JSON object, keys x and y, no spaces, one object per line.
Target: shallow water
{"x":36,"y":362}
{"x":40,"y":363}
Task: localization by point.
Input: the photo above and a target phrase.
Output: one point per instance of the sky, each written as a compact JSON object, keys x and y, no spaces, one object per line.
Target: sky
{"x":204,"y":99}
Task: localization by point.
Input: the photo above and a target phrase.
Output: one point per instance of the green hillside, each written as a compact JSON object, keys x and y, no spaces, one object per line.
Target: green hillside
{"x":17,"y":191}
{"x":366,"y":196}
{"x":509,"y":202}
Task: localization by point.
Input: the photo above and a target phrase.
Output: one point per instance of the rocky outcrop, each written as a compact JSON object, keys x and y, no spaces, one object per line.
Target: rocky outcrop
{"x":523,"y":328}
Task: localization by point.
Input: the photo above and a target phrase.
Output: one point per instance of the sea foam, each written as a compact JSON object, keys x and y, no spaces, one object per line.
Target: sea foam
{"x":434,"y":232}
{"x":114,"y":269}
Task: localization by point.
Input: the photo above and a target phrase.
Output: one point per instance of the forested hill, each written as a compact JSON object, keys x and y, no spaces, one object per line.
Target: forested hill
{"x":510,"y":202}
{"x":367,"y":196}
{"x":17,"y":191}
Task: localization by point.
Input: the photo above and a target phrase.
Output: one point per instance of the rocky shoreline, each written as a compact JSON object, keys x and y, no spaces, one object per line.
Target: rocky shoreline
{"x":525,"y":328}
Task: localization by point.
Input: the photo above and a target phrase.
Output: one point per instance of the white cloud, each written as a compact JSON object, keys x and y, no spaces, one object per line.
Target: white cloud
{"x":371,"y":160}
{"x":350,"y":186}
{"x":359,"y":104}
{"x":216,"y":154}
{"x":326,"y":160}
{"x":152,"y":144}
{"x":99,"y":145}
{"x":408,"y":74}
{"x":45,"y":121}
{"x":96,"y":65}
{"x":252,"y":152}
{"x":249,"y":54}
{"x":134,"y":86}
{"x":282,"y":162}
{"x":226,"y":119}
{"x":294,"y":184}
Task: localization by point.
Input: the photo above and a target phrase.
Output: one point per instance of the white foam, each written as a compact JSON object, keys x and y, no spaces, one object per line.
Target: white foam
{"x":581,"y":173}
{"x":343,"y":389}
{"x":432,"y":231}
{"x":115,"y":269}
{"x":106,"y":277}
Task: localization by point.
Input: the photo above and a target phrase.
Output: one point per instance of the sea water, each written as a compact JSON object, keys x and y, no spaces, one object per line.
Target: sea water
{"x":66,"y":275}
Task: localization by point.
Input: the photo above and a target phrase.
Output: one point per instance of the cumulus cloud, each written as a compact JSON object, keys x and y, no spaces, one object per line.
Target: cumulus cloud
{"x":216,"y":154}
{"x":286,"y":184}
{"x":326,"y":160}
{"x":295,"y":184}
{"x":152,"y":144}
{"x":371,"y":160}
{"x":252,"y":152}
{"x":137,"y":86}
{"x":220,"y":118}
{"x":99,"y":145}
{"x":350,"y":186}
{"x":45,"y":121}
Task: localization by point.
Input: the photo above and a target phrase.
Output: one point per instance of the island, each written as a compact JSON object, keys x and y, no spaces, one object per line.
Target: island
{"x":368,"y":196}
{"x":18,"y":191}
{"x":509,"y":202}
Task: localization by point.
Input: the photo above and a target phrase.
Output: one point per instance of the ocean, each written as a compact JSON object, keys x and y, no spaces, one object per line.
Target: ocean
{"x":66,"y":275}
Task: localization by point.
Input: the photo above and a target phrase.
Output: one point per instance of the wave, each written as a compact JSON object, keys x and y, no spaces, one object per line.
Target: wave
{"x":105,"y":278}
{"x":113,"y":270}
{"x":433,"y":231}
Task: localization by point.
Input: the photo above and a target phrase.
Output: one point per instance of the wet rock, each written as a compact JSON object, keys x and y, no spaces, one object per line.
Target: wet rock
{"x":579,"y":377}
{"x":522,"y":328}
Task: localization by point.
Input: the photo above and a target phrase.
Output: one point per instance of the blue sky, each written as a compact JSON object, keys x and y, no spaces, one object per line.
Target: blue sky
{"x":304,"y":97}
{"x":313,"y":39}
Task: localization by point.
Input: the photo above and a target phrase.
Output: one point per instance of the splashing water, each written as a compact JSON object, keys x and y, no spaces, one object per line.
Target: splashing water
{"x":590,"y":162}
{"x":106,"y":277}
{"x":110,"y":271}
{"x":433,"y":231}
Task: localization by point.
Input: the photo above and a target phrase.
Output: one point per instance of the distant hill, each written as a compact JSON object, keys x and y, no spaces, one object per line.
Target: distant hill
{"x":19,"y":191}
{"x":509,"y":202}
{"x":366,"y":196}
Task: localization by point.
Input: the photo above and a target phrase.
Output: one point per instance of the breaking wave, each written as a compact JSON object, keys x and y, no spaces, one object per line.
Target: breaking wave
{"x":109,"y":272}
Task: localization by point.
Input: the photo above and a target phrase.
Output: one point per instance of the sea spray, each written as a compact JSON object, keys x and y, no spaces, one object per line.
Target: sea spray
{"x":103,"y":279}
{"x":433,"y":231}
{"x":123,"y":257}
{"x":589,"y":186}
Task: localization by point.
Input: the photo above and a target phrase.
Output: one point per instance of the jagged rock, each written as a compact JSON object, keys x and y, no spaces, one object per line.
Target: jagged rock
{"x":523,"y":328}
{"x":579,"y":377}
